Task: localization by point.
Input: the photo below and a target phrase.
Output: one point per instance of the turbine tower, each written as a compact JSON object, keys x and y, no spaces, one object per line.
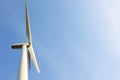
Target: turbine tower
{"x":27,"y":52}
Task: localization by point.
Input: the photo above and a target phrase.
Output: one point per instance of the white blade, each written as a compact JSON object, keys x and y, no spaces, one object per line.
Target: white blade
{"x":28,"y":31}
{"x":30,"y":48}
{"x":29,"y":60}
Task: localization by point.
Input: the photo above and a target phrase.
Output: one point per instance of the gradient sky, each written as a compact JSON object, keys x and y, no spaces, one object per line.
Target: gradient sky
{"x":72,"y":39}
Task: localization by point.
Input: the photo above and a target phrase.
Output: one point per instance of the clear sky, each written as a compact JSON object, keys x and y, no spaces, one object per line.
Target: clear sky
{"x":72,"y":39}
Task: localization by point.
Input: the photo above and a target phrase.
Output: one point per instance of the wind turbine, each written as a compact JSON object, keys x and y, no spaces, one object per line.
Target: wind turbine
{"x":27,"y":55}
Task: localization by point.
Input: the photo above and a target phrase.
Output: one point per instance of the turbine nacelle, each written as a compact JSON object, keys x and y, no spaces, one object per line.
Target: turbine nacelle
{"x":19,"y":45}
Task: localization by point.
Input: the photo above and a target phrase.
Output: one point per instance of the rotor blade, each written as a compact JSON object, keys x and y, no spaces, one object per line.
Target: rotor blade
{"x":29,"y":60}
{"x":30,"y":48}
{"x":28,"y":31}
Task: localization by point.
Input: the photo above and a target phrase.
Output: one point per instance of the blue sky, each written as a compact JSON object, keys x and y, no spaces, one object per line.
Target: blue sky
{"x":72,"y":39}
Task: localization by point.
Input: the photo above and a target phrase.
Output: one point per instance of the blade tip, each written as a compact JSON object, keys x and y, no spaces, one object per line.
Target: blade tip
{"x":38,"y":71}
